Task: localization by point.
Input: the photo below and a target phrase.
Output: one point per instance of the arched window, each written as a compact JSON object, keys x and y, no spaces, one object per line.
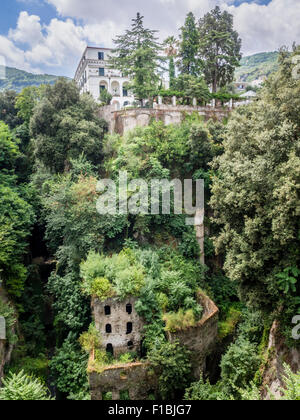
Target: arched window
{"x":110,"y":349}
{"x":129,"y":328}
{"x":108,"y":329}
{"x":107,"y":310}
{"x":130,"y":345}
{"x":129,"y":308}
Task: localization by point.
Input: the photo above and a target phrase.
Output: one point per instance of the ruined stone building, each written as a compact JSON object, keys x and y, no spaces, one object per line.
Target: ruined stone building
{"x":119,"y":325}
{"x":121,"y":329}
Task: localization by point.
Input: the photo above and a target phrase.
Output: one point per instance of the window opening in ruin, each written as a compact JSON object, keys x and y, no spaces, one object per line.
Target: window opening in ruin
{"x":107,"y":310}
{"x":130,"y":345}
{"x":110,"y":349}
{"x":129,"y":328}
{"x":129,"y":308}
{"x":108,"y":329}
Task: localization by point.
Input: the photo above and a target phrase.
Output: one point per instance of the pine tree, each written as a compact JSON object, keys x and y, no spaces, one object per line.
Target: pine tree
{"x":189,"y":62}
{"x":137,"y":56}
{"x":219,"y":47}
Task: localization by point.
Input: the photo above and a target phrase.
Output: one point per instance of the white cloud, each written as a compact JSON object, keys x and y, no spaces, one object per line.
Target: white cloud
{"x":28,"y":30}
{"x":57,"y":47}
{"x":266,"y":28}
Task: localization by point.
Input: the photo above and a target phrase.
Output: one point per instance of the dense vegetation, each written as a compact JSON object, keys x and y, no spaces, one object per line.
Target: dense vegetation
{"x":56,"y":250}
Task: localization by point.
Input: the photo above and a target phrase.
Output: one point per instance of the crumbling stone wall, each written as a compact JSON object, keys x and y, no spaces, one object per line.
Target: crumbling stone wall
{"x":201,"y":338}
{"x":122,"y":121}
{"x":136,"y":378}
{"x":118,"y":320}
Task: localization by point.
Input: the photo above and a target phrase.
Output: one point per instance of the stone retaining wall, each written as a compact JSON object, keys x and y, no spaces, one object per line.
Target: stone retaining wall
{"x":125,"y":120}
{"x":138,"y":379}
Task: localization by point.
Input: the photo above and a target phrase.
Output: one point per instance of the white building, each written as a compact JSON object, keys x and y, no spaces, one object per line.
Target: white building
{"x":94,"y":74}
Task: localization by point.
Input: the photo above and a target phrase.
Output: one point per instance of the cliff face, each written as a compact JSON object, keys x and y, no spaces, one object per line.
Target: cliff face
{"x":279,"y":354}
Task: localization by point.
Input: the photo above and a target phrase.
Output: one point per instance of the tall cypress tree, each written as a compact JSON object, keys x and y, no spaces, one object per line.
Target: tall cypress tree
{"x":188,"y":61}
{"x":219,"y":47}
{"x":137,"y":56}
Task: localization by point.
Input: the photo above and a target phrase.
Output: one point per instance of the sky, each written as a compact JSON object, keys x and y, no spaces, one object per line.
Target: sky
{"x":49,"y":36}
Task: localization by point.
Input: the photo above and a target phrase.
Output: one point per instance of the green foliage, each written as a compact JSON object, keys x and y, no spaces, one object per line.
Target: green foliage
{"x":255,"y":196}
{"x":172,"y":364}
{"x":204,"y":391}
{"x":258,"y":65}
{"x":72,"y":309}
{"x":239,"y":365}
{"x":23,"y":387}
{"x":188,"y":61}
{"x":64,"y":125}
{"x":68,"y":367}
{"x":90,"y":340}
{"x":219,"y":47}
{"x":224,"y":292}
{"x":17,"y":80}
{"x":190,"y":86}
{"x":16,"y":216}
{"x":119,"y":275}
{"x":288,"y":279}
{"x":179,"y":320}
{"x":136,"y":54}
{"x":105,"y":97}
{"x":8,"y":112}
{"x":9,"y":150}
{"x":227,"y":327}
{"x":291,"y":389}
{"x":32,"y":366}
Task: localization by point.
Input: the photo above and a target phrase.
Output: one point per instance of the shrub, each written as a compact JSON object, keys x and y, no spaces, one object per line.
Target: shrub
{"x":204,"y":391}
{"x":179,"y":320}
{"x":23,"y":387}
{"x":238,"y":366}
{"x":172,"y":364}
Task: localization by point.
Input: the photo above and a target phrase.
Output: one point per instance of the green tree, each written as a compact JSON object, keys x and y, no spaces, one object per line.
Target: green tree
{"x":172,"y":364}
{"x":136,"y":54}
{"x":188,"y":57}
{"x":64,"y":125}
{"x":69,"y":367}
{"x":238,"y":366}
{"x":8,"y":112}
{"x":204,"y":391}
{"x":256,"y":197}
{"x":219,"y":47}
{"x":24,"y":388}
{"x":105,"y":97}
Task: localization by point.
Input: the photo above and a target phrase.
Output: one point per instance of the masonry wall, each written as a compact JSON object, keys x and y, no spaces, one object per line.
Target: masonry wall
{"x":122,"y":121}
{"x":202,"y":338}
{"x":136,"y":378}
{"x":118,"y":320}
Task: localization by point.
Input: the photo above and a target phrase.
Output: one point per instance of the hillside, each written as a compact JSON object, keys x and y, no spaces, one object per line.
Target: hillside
{"x":257,"y":65}
{"x":19,"y":79}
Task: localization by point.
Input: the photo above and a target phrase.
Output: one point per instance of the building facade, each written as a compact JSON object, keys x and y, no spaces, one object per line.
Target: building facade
{"x":119,"y":325}
{"x":94,"y":74}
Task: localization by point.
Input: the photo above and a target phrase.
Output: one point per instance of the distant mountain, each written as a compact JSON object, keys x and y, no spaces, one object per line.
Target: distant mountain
{"x":19,"y":79}
{"x":255,"y":66}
